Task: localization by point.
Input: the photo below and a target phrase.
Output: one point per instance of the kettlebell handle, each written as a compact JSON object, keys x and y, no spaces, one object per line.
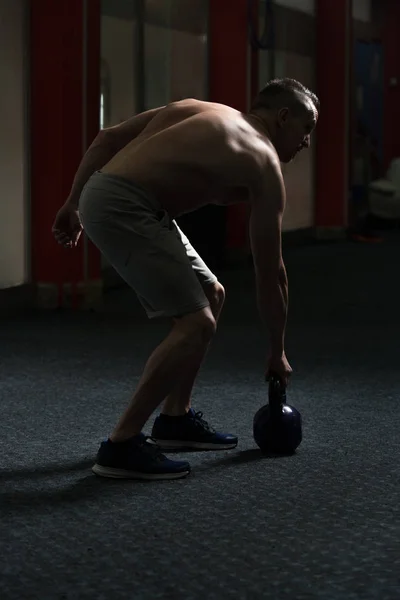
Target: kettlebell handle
{"x":277,"y":389}
{"x":273,"y":378}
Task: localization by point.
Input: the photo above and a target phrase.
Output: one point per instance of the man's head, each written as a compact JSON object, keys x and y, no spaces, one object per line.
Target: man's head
{"x":290,"y":111}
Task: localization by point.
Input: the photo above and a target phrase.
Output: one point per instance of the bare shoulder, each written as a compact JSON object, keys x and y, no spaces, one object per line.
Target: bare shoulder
{"x":201,"y":106}
{"x":248,"y":156}
{"x":192,"y":106}
{"x":272,"y":171}
{"x":192,"y":114}
{"x":268,"y":187}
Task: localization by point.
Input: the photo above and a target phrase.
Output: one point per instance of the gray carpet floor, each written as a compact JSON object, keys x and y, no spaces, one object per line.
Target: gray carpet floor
{"x":322,"y":524}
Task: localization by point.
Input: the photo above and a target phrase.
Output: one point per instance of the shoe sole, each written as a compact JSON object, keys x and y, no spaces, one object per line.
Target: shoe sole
{"x":182,"y":445}
{"x":123,"y":474}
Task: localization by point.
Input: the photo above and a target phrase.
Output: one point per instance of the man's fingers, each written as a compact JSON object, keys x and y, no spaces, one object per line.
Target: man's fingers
{"x":68,"y":240}
{"x":63,"y":239}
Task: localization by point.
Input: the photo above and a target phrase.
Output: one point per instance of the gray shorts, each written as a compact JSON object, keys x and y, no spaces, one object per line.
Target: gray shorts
{"x":145,"y":246}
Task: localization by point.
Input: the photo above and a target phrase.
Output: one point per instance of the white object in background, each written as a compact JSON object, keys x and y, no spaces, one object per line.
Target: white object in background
{"x":384,"y":194}
{"x":362,"y":10}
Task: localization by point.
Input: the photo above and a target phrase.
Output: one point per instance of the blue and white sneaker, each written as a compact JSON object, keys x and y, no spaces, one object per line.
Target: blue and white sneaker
{"x":189,"y":432}
{"x":137,"y":458}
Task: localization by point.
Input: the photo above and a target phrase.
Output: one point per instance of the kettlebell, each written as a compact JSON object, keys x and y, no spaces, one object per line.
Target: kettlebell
{"x":277,"y":426}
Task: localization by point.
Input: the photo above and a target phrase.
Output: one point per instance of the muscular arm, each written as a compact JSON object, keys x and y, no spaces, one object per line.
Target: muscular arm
{"x":283,"y":280}
{"x":106,"y":144}
{"x":267,"y":208}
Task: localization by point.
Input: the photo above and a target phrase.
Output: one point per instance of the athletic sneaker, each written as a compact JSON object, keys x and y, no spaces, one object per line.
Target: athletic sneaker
{"x":136,"y":458}
{"x":189,"y":432}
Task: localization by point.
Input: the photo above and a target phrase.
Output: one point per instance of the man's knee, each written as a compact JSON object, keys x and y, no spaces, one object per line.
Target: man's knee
{"x":197,"y":328}
{"x":216,"y":296}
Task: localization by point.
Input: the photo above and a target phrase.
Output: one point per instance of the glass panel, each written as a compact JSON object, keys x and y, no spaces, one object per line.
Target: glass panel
{"x":173,"y":57}
{"x":118,"y":68}
{"x":176,"y":50}
{"x":118,"y":94}
{"x":157,"y":52}
{"x":152,"y":52}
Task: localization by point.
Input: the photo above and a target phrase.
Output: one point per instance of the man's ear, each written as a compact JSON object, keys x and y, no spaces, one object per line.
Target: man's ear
{"x":283,"y":116}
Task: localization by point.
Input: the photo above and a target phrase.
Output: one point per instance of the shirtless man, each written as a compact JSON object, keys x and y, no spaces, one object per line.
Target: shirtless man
{"x":134,"y":180}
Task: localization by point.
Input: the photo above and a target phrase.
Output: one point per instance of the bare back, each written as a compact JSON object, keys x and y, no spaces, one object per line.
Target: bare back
{"x":194,"y":153}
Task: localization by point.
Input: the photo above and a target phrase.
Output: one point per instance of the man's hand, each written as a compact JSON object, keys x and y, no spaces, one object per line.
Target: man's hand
{"x":67,"y":226}
{"x":279,"y":365}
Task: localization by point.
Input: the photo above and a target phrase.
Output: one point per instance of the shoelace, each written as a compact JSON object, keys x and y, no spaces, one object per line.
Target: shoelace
{"x":153,"y":449}
{"x":200,"y":422}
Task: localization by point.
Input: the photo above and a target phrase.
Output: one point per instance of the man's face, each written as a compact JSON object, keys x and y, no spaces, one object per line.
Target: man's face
{"x":294,"y":131}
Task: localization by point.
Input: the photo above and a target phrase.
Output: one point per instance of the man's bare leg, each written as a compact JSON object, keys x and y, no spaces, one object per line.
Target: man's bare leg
{"x":188,"y":339}
{"x":179,"y":400}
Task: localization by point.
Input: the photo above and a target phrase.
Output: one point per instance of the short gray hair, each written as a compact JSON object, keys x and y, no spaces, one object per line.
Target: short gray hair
{"x":285,"y":92}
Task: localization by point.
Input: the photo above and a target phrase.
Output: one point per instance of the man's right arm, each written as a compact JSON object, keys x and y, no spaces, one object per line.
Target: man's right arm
{"x":267,"y":209}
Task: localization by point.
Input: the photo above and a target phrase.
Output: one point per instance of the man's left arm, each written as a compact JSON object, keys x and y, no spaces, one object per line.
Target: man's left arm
{"x":106,"y":144}
{"x":283,"y":280}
